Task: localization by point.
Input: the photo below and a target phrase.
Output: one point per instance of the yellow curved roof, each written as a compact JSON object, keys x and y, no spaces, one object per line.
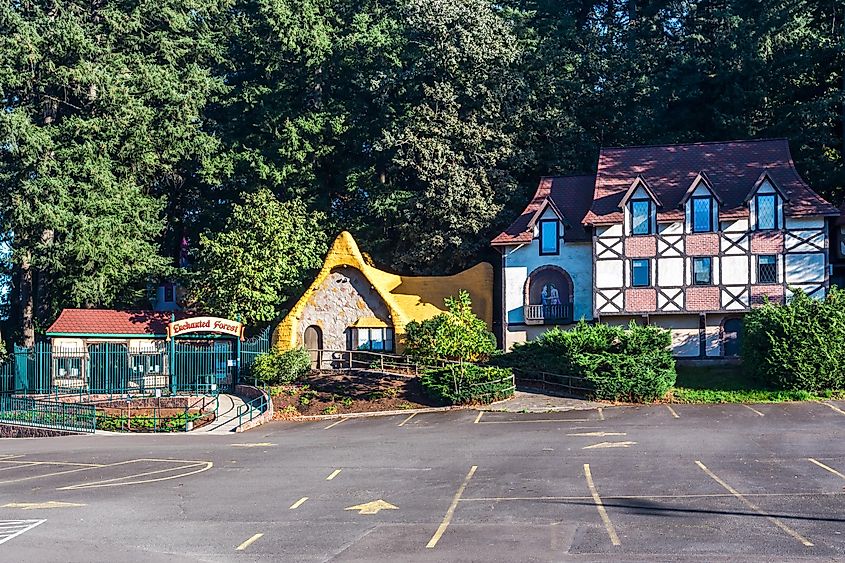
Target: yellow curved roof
{"x":408,"y":298}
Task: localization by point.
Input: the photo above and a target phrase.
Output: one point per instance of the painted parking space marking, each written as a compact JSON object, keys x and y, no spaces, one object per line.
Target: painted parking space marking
{"x":188,"y":467}
{"x":789,"y":531}
{"x":832,"y":406}
{"x":690,"y":496}
{"x":537,"y":420}
{"x":298,"y":503}
{"x":602,"y":445}
{"x":412,"y":415}
{"x":598,"y":434}
{"x":451,"y":510}
{"x":254,"y":445}
{"x":671,"y":410}
{"x":333,"y":424}
{"x":248,"y":542}
{"x":42,"y":505}
{"x":601,"y":413}
{"x":826,"y":467}
{"x":477,"y":418}
{"x":594,"y":493}
{"x":333,"y":474}
{"x":752,"y":409}
{"x":10,"y":529}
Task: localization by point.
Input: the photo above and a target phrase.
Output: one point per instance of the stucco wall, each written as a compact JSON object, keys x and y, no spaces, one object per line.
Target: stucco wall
{"x":344,"y":297}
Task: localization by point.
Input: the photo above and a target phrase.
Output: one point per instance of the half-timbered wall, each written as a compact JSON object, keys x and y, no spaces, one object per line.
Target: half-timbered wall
{"x":695,"y":313}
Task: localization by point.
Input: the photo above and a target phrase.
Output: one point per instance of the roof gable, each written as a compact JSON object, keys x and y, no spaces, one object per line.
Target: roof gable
{"x":636,"y":185}
{"x":90,"y":322}
{"x":570,"y":196}
{"x":700,"y":180}
{"x":732,"y":168}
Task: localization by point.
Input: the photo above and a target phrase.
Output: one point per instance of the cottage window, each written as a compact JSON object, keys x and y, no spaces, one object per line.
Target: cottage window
{"x":374,"y":339}
{"x":641,"y":210}
{"x":702,"y":271}
{"x":549,"y":237}
{"x":766,"y":210}
{"x":640,"y":273}
{"x":701,"y":210}
{"x":767,"y":269}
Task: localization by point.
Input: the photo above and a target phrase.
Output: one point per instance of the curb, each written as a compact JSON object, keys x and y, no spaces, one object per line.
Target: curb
{"x":375,"y":413}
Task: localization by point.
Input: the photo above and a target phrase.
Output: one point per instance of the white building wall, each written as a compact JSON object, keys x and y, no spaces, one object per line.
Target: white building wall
{"x":520,"y":261}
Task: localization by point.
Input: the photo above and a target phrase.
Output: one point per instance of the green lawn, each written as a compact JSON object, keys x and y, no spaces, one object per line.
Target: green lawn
{"x":730,"y":384}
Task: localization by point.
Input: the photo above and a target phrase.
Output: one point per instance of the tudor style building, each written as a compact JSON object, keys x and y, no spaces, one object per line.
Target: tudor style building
{"x":687,"y":237}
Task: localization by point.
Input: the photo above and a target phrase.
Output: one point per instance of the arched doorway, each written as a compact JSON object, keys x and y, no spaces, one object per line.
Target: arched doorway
{"x":549,"y":296}
{"x":313,"y":338}
{"x":732,"y":337}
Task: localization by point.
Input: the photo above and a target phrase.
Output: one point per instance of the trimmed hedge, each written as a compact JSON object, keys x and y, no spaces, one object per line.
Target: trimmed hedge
{"x":281,"y":367}
{"x":632,"y":363}
{"x":797,"y":346}
{"x":460,"y":384}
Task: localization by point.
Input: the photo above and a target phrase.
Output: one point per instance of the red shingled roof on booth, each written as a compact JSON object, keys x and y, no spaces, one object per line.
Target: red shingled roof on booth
{"x":108,"y":321}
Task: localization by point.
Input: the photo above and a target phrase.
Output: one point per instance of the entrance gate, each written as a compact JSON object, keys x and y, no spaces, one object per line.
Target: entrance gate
{"x":186,"y":363}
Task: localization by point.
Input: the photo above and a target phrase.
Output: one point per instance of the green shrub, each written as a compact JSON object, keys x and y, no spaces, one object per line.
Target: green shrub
{"x":455,"y":335}
{"x":281,"y":367}
{"x":797,"y":346}
{"x":458,"y":384}
{"x":631,"y":363}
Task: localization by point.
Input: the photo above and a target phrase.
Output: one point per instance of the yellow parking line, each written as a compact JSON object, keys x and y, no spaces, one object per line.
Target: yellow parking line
{"x":333,"y":424}
{"x":825,"y":467}
{"x":413,"y":414}
{"x":477,"y":418}
{"x":671,"y":410}
{"x":754,"y":507}
{"x":333,"y":474}
{"x":20,"y":464}
{"x":298,"y":503}
{"x":834,"y":407}
{"x":752,"y":409}
{"x":611,"y":531}
{"x":451,"y":511}
{"x":248,"y":542}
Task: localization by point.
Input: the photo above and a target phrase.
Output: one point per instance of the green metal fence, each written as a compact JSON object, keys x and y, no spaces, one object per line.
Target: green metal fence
{"x":196,"y":366}
{"x":53,"y":415}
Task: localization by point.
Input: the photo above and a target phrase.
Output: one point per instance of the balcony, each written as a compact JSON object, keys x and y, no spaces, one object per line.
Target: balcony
{"x":548,"y":314}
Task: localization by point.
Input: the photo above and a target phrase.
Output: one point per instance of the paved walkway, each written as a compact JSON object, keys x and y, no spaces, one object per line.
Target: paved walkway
{"x":227,"y":416}
{"x":526,"y":401}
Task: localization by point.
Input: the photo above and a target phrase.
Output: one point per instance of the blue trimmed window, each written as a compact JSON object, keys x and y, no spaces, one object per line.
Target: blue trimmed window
{"x":641,"y":210}
{"x":640,"y":273}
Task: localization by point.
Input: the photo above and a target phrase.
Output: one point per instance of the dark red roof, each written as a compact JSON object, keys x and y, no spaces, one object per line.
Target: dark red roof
{"x":571,"y":195}
{"x":108,"y":321}
{"x":733,"y":168}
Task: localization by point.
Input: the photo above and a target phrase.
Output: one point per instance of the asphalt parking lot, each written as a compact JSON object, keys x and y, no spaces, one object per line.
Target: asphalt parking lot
{"x":657,"y":483}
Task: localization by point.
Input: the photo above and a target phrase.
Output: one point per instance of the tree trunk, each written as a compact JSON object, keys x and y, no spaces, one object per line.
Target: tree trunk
{"x":27,"y":305}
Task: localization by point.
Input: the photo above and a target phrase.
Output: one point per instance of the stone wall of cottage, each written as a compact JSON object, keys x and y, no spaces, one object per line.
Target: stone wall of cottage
{"x":344,"y":297}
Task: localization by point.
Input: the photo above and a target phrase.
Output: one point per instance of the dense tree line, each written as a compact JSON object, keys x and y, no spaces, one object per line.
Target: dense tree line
{"x":131,"y":131}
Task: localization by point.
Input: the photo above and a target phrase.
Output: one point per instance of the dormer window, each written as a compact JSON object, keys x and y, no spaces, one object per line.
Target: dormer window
{"x":701,"y":211}
{"x":549,"y":237}
{"x":641,"y":216}
{"x":766,"y":207}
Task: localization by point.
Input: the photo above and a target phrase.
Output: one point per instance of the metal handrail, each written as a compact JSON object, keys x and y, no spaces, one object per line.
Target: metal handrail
{"x":53,"y":415}
{"x":250,"y":408}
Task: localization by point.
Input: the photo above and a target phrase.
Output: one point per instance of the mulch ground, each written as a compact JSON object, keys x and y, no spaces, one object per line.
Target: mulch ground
{"x":341,"y":393}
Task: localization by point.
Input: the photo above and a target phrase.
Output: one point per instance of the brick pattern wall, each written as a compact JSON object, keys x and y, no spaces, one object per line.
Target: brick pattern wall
{"x":640,"y":300}
{"x":702,"y":298}
{"x":703,"y":244}
{"x":640,"y":247}
{"x":767,"y":242}
{"x":759,"y":293}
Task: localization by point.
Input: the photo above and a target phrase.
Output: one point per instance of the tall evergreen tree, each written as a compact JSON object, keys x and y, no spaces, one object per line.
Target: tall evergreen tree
{"x":100,"y":125}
